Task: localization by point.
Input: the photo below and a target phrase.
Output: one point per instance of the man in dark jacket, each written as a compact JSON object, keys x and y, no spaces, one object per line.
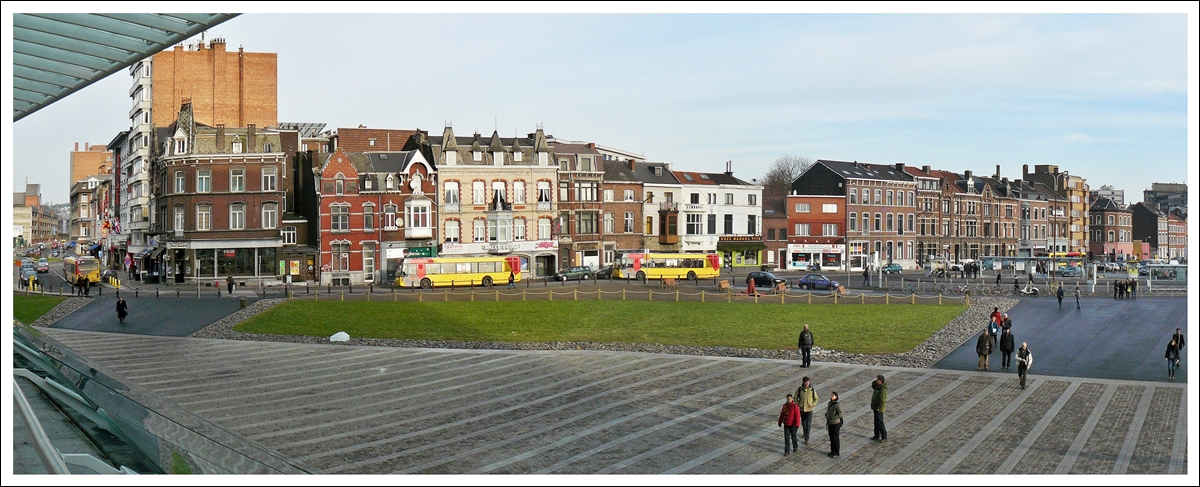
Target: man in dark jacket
{"x":878,"y":402}
{"x":122,"y":309}
{"x":805,"y":344}
{"x":1007,"y":346}
{"x":833,"y":423}
{"x":1133,"y":288}
{"x":983,"y":347}
{"x":1178,"y":338}
{"x":1024,"y":362}
{"x":789,"y":418}
{"x":1060,"y":295}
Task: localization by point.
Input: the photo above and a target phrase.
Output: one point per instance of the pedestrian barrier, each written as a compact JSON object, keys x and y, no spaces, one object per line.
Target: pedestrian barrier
{"x":649,"y":295}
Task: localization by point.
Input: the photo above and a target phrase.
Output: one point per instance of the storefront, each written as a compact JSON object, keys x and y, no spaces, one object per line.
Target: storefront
{"x":741,"y":251}
{"x":217,"y":260}
{"x":802,"y":256}
{"x":538,"y":258}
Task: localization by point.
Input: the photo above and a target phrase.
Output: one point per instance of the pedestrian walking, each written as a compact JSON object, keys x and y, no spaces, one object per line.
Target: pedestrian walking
{"x":996,"y":314}
{"x":229,"y":283}
{"x":866,"y":276}
{"x":1017,"y":285}
{"x":512,"y":279}
{"x":122,"y":310}
{"x":993,"y":329}
{"x":806,"y":395}
{"x":1172,"y":357}
{"x":1024,"y":362}
{"x":87,"y":287}
{"x":1133,"y":288}
{"x":805,"y":345}
{"x":878,"y":402}
{"x":1178,"y":338}
{"x":1007,"y":347}
{"x":789,"y":419}
{"x":1077,"y":293}
{"x":1005,"y":322}
{"x":983,"y":347}
{"x":833,"y":423}
{"x":1060,"y":294}
{"x":997,"y":278}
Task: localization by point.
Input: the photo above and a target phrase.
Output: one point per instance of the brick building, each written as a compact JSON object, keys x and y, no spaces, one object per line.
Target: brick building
{"x":1112,"y":232}
{"x":775,"y":231}
{"x":363,"y":139}
{"x":816,"y":231}
{"x":1151,"y":228}
{"x":93,"y":160}
{"x":236,"y":89}
{"x":620,"y":177}
{"x":580,"y":220}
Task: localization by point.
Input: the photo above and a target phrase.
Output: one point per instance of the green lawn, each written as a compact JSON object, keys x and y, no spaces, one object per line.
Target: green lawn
{"x":27,"y":309}
{"x":869,"y":328}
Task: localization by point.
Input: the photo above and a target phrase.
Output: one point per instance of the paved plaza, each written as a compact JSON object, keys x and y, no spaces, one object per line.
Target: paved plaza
{"x":347,"y":409}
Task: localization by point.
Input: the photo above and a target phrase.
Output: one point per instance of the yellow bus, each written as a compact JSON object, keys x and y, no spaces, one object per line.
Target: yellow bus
{"x":85,"y":267}
{"x":430,"y":272}
{"x":664,"y":266}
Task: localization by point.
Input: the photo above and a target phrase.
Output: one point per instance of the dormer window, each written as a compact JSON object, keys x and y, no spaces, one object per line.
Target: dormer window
{"x":516,"y":156}
{"x":477,"y":156}
{"x":339,"y":185}
{"x":180,"y":145}
{"x":237,"y":145}
{"x":390,"y":182}
{"x":367,"y":182}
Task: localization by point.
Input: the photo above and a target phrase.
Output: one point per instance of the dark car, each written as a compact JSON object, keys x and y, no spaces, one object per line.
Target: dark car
{"x":892,"y":268}
{"x":764,"y":279}
{"x":581,"y":273}
{"x":604,"y":272}
{"x":816,"y":281}
{"x":1070,"y":272}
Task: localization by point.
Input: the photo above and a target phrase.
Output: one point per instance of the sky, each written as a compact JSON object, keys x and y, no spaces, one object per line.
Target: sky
{"x":1103,"y":96}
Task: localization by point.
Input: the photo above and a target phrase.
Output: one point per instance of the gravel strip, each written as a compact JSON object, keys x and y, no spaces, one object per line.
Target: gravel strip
{"x":941,"y":343}
{"x":68,"y":306}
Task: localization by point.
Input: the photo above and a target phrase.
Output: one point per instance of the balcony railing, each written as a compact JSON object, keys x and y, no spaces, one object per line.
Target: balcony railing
{"x":695,"y":208}
{"x":414,"y":233}
{"x":668,"y":206}
{"x":451,"y":207}
{"x":543,"y":206}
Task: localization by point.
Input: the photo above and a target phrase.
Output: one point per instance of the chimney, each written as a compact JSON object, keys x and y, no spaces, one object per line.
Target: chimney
{"x":251,"y":138}
{"x":729,"y":168}
{"x":220,"y":137}
{"x":925,"y":169}
{"x":997,"y":171}
{"x":632,"y":165}
{"x":77,"y":147}
{"x":967,"y":175}
{"x":900,"y":166}
{"x":87,"y":146}
{"x":591,"y":145}
{"x":1025,"y":171}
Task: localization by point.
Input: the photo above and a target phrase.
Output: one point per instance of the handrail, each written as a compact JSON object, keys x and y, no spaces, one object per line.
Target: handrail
{"x":41,"y":442}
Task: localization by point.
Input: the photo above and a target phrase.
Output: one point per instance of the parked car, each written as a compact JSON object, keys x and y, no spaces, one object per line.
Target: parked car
{"x":764,"y":279}
{"x":43,"y":265}
{"x":1070,"y":272}
{"x":579,"y":273}
{"x":816,"y":281}
{"x":604,"y":272}
{"x":892,"y":268}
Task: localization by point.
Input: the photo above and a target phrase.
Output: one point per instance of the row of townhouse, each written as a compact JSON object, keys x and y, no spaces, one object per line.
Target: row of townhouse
{"x":851,"y":215}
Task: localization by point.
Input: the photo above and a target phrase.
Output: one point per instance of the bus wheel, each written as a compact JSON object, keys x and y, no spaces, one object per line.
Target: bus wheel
{"x":426,"y":283}
{"x":691,"y":276}
{"x":641,"y":276}
{"x":487,"y":281}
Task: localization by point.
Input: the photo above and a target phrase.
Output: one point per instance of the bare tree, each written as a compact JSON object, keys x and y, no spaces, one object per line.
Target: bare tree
{"x":778,"y":181}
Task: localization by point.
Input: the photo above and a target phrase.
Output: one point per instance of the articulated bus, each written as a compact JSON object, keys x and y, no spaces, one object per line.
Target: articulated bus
{"x":430,"y":272}
{"x":667,"y":266}
{"x":84,"y":267}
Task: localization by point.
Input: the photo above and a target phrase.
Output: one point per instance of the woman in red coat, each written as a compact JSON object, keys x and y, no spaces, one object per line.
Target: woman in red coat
{"x":789,"y":418}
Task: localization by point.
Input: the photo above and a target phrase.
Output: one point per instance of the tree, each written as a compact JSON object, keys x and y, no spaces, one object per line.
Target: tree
{"x":778,"y":181}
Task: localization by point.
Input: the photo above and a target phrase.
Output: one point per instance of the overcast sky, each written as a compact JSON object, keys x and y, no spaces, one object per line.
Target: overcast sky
{"x":1102,"y":96}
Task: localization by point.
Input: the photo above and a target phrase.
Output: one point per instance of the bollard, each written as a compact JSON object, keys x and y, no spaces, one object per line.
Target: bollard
{"x":550,"y":294}
{"x":135,"y":293}
{"x":650,"y":295}
{"x":472,"y":295}
{"x":445,"y":296}
{"x":393,"y":295}
{"x":242,"y":302}
{"x":599,"y":297}
{"x":497,"y":296}
{"x":156,"y":293}
{"x":523,"y":295}
{"x":315,"y":296}
{"x":576,"y":297}
{"x":351,"y":287}
{"x":329,"y":289}
{"x":701,"y":295}
{"x":622,"y":295}
{"x":939,"y":299}
{"x":288,"y":293}
{"x":342,"y":295}
{"x":887,"y":298}
{"x":368,"y":296}
{"x":218,"y":292}
{"x":306,"y":288}
{"x":370,"y":288}
{"x":177,"y":293}
{"x":810,"y":297}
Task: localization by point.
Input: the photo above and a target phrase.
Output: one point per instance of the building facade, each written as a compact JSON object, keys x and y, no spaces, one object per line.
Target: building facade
{"x":775,"y":231}
{"x":1177,"y":235}
{"x":1107,"y":191}
{"x":817,"y":226}
{"x":1075,"y":195}
{"x":581,"y":221}
{"x":621,"y":181}
{"x":1112,"y":232}
{"x":1166,"y":195}
{"x":33,"y":222}
{"x":1150,"y":227}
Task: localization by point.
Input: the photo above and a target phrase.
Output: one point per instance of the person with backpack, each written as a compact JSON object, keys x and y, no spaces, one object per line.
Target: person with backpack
{"x":878,"y":403}
{"x":789,"y":419}
{"x":805,"y":344}
{"x":806,"y":395}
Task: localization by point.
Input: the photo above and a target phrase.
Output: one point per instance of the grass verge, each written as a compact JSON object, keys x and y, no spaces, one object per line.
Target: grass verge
{"x":866,"y":328}
{"x":28,"y":309}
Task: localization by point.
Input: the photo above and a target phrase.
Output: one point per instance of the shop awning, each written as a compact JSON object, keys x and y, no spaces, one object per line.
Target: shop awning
{"x":143,"y":253}
{"x":157,"y":252}
{"x":743,"y":247}
{"x":93,"y":247}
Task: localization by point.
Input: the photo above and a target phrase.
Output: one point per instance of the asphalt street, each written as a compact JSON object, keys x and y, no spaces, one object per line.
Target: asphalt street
{"x":1106,"y":339}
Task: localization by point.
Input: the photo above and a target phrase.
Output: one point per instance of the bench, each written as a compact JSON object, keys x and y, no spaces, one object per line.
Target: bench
{"x":667,"y":283}
{"x":722,"y":285}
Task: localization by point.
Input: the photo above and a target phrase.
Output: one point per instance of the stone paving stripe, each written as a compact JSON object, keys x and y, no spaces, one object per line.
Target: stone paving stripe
{"x":141,"y":364}
{"x":308,"y":381}
{"x":719,"y":452}
{"x":961,"y":454}
{"x":189,"y":387}
{"x":1031,"y":438}
{"x":350,"y":419}
{"x":1081,"y":439}
{"x":283,"y":365}
{"x":1179,"y":449}
{"x":849,"y":447}
{"x":932,"y":432}
{"x":209,"y":354}
{"x":1135,"y":431}
{"x":585,"y":400}
{"x":441,"y":427}
{"x":739,"y":420}
{"x":602,"y":427}
{"x":281,"y":415}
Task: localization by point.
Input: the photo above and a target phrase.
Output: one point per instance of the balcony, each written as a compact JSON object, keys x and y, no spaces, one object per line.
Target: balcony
{"x":695,"y":208}
{"x":418,"y":233}
{"x":668,"y":206}
{"x":451,"y":207}
{"x":668,"y":239}
{"x":543,"y":206}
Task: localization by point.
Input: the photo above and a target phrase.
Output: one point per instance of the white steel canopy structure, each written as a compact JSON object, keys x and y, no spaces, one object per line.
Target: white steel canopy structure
{"x":55,"y":55}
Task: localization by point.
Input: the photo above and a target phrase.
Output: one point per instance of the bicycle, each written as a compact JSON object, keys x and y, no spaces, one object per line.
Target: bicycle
{"x":912,"y":289}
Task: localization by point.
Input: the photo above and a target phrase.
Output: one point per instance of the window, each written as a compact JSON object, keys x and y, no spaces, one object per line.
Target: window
{"x":270,"y":215}
{"x":695,"y":198}
{"x":389,"y":216}
{"x":649,"y":230}
{"x":289,"y":235}
{"x":368,"y":256}
{"x":339,"y":185}
{"x":629,"y":195}
{"x":802,"y":230}
{"x":878,"y":197}
{"x":712,"y":224}
{"x":912,"y":219}
{"x":609,"y":223}
{"x":695,"y":223}
{"x":178,"y":218}
{"x":853,"y":196}
{"x":237,"y":179}
{"x":853,"y":221}
{"x":339,"y":218}
{"x":728,"y":224}
{"x":517,"y":156}
{"x":829,"y":229}
{"x":498,"y":231}
{"x":802,"y":208}
{"x":368,"y":216}
{"x":543,"y":229}
{"x":585,"y":222}
{"x":180,"y":145}
{"x":752,"y":199}
{"x":237,"y":216}
{"x":878,"y":222}
{"x":1110,"y":220}
{"x":340,"y":255}
{"x":451,"y":191}
{"x":770,"y":234}
{"x":268,"y":179}
{"x":203,"y":217}
{"x":729,"y":198}
{"x":452,"y":233}
{"x":585,"y":164}
{"x":518,"y":226}
{"x":543,"y":192}
{"x":912,"y":200}
{"x":477,"y":156}
{"x":499,"y":192}
{"x":629,"y":222}
{"x":478,"y":194}
{"x":180,"y":182}
{"x":480,"y":231}
{"x":237,"y":146}
{"x":371,"y":142}
{"x":889,"y":198}
{"x":519,"y":191}
{"x":829,"y":208}
{"x":204,"y":181}
{"x":416,"y":213}
{"x":752,"y":225}
{"x":586,"y":191}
